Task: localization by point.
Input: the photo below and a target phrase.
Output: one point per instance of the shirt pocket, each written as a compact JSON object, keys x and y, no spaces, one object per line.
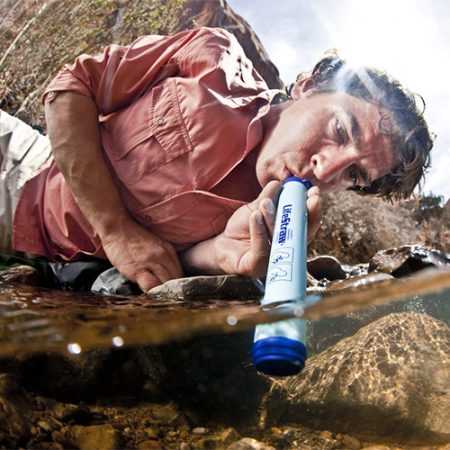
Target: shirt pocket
{"x":188,"y":217}
{"x":151,"y":131}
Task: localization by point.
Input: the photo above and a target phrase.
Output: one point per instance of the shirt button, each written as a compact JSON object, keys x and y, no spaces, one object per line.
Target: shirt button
{"x":160,"y":120}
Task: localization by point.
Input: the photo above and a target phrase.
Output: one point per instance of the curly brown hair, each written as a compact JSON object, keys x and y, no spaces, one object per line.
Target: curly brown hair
{"x":410,"y":136}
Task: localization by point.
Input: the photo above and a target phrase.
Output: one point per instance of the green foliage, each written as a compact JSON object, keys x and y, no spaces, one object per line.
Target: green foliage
{"x":430,"y":208}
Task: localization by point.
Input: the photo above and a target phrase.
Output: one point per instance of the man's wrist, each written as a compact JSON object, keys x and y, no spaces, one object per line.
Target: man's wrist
{"x":201,"y":259}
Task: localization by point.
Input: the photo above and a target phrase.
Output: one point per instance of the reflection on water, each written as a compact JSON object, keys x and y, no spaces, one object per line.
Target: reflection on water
{"x":33,"y":319}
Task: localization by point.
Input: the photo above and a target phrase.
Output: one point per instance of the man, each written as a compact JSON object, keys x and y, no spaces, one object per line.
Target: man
{"x":168,"y":155}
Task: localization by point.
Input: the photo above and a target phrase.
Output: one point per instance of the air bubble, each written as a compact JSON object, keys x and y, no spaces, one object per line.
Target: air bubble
{"x":117,"y":341}
{"x":74,"y":348}
{"x":232,"y":320}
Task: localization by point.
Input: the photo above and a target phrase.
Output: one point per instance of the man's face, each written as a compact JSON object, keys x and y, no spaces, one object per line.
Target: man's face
{"x":333,"y":139}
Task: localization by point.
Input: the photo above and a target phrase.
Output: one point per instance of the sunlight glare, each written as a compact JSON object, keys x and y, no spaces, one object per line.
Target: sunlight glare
{"x":389,"y":35}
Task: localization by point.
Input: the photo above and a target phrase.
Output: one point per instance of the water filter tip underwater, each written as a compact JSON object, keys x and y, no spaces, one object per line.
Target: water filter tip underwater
{"x":278,"y":347}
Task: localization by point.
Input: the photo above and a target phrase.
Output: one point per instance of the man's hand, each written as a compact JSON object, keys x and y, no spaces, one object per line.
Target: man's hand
{"x":141,"y":256}
{"x":244,"y":245}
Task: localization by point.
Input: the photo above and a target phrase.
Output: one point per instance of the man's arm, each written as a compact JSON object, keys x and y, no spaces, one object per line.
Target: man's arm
{"x":72,"y":123}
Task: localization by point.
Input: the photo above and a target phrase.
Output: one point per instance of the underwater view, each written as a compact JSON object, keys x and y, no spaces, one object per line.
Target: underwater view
{"x":97,"y":371}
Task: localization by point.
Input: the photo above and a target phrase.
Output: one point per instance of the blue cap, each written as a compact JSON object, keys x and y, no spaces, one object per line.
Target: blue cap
{"x":279,"y":356}
{"x":304,"y":181}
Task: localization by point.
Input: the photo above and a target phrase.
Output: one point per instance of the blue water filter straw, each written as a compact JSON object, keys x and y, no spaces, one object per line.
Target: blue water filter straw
{"x":279,"y":347}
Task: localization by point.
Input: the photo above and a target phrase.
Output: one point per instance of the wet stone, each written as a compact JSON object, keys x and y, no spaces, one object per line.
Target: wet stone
{"x":151,"y":433}
{"x":13,"y":422}
{"x":247,"y":443}
{"x":101,"y":437}
{"x":149,"y":445}
{"x":44,"y":425}
{"x":169,"y":415}
{"x":59,"y":438}
{"x":80,"y":414}
{"x":407,"y":259}
{"x":379,"y":447}
{"x":232,"y":287}
{"x":351,"y":442}
{"x":228,"y":436}
{"x":361,"y":280}
{"x":49,"y":446}
{"x":326,"y":267}
{"x":349,"y":380}
{"x":326,"y":434}
{"x":21,"y":274}
{"x":209,"y":442}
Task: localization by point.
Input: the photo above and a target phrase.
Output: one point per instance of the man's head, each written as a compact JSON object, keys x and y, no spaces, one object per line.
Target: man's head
{"x":348,"y":128}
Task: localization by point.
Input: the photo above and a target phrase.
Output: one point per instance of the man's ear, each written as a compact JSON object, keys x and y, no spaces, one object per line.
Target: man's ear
{"x":302,"y":86}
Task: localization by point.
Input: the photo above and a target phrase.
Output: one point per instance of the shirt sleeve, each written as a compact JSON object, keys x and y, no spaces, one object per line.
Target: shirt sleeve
{"x":122,"y":73}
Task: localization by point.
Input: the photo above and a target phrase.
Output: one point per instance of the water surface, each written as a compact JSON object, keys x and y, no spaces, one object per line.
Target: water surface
{"x":36,"y":319}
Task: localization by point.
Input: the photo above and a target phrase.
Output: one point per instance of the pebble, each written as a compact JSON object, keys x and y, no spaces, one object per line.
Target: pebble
{"x":228,"y":436}
{"x":209,"y":442}
{"x":379,"y":447}
{"x":199,"y":430}
{"x":149,"y":445}
{"x":151,"y":433}
{"x":249,"y":444}
{"x":96,"y":436}
{"x":351,"y":442}
{"x":45,"y":425}
{"x":326,"y":434}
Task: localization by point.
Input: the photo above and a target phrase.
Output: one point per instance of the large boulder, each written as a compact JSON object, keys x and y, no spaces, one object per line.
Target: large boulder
{"x":389,"y":382}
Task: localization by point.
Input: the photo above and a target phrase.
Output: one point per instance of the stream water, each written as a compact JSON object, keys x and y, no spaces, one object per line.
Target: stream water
{"x":34,"y":319}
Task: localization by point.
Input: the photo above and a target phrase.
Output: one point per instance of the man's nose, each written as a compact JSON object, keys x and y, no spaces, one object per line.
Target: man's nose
{"x":330,"y":168}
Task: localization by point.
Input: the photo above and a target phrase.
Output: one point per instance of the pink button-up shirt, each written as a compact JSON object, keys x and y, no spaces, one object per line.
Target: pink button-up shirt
{"x":178,"y":117}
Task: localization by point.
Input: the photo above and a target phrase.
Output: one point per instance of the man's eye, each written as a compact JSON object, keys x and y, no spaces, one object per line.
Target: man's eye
{"x":353,"y":175}
{"x":341,"y":132}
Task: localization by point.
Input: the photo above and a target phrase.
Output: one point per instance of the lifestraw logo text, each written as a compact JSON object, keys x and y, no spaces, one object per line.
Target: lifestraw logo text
{"x":285,"y":219}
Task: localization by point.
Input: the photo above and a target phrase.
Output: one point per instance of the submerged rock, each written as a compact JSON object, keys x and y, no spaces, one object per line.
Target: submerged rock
{"x":389,"y":382}
{"x":15,"y":426}
{"x":249,"y":444}
{"x":101,"y":437}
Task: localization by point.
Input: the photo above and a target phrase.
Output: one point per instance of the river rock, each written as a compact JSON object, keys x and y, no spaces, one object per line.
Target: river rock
{"x":14,"y":423}
{"x":101,"y":437}
{"x":21,"y":274}
{"x":233,"y":287}
{"x":389,"y":382}
{"x":326,"y":267}
{"x":407,"y":259}
{"x":249,"y":444}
